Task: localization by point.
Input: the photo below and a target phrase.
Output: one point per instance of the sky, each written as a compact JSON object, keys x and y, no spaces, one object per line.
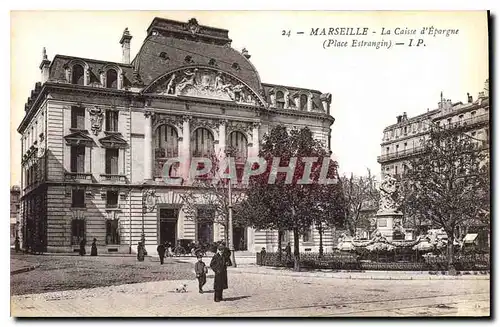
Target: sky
{"x":369,"y":86}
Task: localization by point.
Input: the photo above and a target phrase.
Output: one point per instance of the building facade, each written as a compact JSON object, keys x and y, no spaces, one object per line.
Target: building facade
{"x":15,"y":204}
{"x":405,"y":139}
{"x":96,"y":134}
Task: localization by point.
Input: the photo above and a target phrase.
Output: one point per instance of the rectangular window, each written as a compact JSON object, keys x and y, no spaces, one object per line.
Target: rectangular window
{"x":204,"y":225}
{"x":112,"y":232}
{"x":78,"y":117}
{"x":112,"y":161}
{"x":77,"y":231}
{"x":111,"y":121}
{"x":387,"y":150}
{"x":111,"y":199}
{"x":77,"y":159}
{"x":78,"y":198}
{"x":307,"y":237}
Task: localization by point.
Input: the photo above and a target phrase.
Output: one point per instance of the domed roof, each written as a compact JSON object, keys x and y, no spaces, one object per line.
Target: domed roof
{"x":171,"y":45}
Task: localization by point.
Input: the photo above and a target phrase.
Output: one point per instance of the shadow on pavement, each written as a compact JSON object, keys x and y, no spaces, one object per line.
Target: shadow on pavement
{"x":236,"y":298}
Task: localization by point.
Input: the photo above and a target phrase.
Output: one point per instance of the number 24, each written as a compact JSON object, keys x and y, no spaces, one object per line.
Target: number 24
{"x":285,"y":33}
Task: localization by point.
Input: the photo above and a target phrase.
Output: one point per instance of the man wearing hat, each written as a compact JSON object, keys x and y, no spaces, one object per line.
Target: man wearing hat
{"x":218,"y":265}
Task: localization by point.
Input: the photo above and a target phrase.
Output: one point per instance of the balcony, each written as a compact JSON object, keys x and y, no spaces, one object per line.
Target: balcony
{"x":115,"y":178}
{"x":471,"y":122}
{"x":400,"y":154}
{"x":72,"y":176}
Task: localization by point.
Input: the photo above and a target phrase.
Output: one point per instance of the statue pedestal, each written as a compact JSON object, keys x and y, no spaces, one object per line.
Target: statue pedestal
{"x":386,"y":222}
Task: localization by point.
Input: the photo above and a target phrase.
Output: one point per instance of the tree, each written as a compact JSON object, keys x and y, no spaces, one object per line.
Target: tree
{"x":449,"y":183}
{"x":212,"y":190}
{"x":288,"y":203}
{"x":359,"y":193}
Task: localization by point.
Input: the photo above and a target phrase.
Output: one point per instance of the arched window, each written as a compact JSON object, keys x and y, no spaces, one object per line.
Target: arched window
{"x":238,"y":142}
{"x":303,"y":102}
{"x":166,"y":146}
{"x":280,"y":100}
{"x":111,"y":79}
{"x":77,"y":76}
{"x":202,"y":143}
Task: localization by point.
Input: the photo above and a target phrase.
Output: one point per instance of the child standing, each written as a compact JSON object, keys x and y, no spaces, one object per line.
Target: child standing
{"x":201,"y":272}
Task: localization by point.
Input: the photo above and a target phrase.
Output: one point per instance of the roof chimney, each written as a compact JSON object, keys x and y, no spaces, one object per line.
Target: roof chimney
{"x":125,"y":42}
{"x":399,"y":118}
{"x":44,"y":67}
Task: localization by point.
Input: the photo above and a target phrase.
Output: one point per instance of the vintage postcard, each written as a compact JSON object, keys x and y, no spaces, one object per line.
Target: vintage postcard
{"x":250,"y":164}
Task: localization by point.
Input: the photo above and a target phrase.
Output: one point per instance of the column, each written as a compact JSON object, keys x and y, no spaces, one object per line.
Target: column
{"x":251,"y":239}
{"x":222,"y":139}
{"x":255,"y":139}
{"x":185,"y":152}
{"x":148,"y":140}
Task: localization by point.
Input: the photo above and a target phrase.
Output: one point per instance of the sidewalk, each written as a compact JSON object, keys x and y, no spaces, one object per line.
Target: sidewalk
{"x":369,"y":274}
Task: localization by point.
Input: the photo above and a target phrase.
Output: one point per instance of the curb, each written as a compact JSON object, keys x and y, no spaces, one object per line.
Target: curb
{"x":22,"y":270}
{"x":330,"y":275}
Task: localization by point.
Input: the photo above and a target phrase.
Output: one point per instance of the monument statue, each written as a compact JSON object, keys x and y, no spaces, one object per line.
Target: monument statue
{"x":388,"y":195}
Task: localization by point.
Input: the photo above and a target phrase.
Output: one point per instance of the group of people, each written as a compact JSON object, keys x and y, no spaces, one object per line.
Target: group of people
{"x":93,"y":248}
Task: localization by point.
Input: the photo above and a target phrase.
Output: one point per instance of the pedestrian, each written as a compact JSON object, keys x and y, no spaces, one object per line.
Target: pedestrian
{"x":16,"y":244}
{"x":140,"y":251}
{"x":161,"y":252}
{"x":93,"y":249}
{"x":227,"y":262}
{"x":201,"y":271}
{"x":82,"y":247}
{"x":168,"y":249}
{"x":219,"y":268}
{"x":262,"y":256}
{"x":288,"y":253}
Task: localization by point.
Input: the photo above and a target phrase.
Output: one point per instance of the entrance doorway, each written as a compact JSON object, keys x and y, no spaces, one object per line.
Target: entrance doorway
{"x":240,"y":238}
{"x":168,"y":226}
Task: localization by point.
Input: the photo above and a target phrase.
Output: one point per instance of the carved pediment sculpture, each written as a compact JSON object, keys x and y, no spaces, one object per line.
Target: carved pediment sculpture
{"x":96,"y":117}
{"x":205,"y":83}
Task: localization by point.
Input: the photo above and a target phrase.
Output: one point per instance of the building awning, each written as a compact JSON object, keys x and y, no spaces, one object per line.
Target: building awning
{"x":470,"y":238}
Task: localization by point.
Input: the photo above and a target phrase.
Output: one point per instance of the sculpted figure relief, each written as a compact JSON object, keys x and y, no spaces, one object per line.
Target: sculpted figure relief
{"x":188,"y":80}
{"x":206,"y":83}
{"x":170,"y":89}
{"x":96,"y":117}
{"x":388,"y":195}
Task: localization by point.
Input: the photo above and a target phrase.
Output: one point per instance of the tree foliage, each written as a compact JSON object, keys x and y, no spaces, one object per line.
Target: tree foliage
{"x":360,"y":193}
{"x":213,"y":195}
{"x":295,"y":205}
{"x":449,"y":183}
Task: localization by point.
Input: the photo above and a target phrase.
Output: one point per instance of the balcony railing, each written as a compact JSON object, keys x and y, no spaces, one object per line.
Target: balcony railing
{"x":72,"y":176}
{"x":463,"y":123}
{"x":400,"y":154}
{"x":113,"y":178}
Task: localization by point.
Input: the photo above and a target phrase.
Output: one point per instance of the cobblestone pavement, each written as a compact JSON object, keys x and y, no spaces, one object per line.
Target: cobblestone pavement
{"x":58,"y":273}
{"x":268,"y":295}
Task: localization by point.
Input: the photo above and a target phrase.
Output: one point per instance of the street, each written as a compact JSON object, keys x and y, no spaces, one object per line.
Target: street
{"x":256,"y":294}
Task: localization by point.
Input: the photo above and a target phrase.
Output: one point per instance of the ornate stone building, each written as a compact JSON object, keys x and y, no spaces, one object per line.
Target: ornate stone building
{"x":404,"y":139}
{"x":96,"y":134}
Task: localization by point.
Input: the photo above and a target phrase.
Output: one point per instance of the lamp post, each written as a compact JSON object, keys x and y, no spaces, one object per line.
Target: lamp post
{"x":230,"y":222}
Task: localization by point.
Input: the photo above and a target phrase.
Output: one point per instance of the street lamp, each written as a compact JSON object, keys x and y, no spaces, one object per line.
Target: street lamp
{"x":230,"y":222}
